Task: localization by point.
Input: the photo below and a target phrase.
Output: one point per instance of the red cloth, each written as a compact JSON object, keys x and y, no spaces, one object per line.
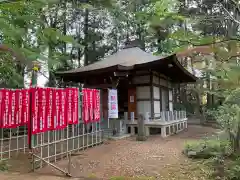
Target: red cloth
{"x":1,"y":114}
{"x":10,"y":109}
{"x":68,"y":106}
{"x":96,"y":105}
{"x":58,"y":105}
{"x":42,"y":110}
{"x":75,"y":98}
{"x":90,"y":104}
{"x":5,"y":100}
{"x":54,"y":110}
{"x":50,"y":108}
{"x":62,"y":110}
{"x":13,"y":109}
{"x":17,"y":108}
{"x":35,"y":110}
{"x":85,"y":110}
{"x":25,"y":106}
{"x":49,"y":103}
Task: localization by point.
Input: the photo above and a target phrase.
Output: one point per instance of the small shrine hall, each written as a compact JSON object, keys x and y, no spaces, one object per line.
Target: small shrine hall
{"x":144,"y":83}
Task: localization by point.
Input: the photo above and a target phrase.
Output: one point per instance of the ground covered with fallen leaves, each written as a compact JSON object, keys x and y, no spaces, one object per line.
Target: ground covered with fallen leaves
{"x":156,"y":158}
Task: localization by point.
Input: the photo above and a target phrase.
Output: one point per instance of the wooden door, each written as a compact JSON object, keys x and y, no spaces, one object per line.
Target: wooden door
{"x":132,"y":102}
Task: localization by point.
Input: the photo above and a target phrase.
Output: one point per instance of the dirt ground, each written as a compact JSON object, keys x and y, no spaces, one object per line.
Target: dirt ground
{"x":156,"y":157}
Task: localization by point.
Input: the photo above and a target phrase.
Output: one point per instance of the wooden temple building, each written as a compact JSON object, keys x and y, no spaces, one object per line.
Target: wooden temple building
{"x":145,"y":86}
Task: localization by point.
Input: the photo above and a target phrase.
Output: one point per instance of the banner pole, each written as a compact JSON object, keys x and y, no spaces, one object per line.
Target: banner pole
{"x":32,"y":137}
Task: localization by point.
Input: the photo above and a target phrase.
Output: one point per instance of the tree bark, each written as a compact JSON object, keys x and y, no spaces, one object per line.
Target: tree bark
{"x":86,"y":26}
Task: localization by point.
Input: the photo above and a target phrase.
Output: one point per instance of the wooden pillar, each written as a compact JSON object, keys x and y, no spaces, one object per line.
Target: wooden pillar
{"x":151,"y":95}
{"x":160,"y":93}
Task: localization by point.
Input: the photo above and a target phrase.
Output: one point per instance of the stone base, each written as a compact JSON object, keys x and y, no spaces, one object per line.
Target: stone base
{"x":141,"y":138}
{"x":122,"y":136}
{"x":167,"y":128}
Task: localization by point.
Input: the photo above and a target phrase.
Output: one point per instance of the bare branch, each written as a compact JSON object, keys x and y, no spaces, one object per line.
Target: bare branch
{"x":202,"y":48}
{"x":229,"y":14}
{"x":208,"y":44}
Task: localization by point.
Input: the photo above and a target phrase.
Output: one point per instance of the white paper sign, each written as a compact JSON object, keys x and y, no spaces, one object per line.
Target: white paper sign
{"x":112,"y":103}
{"x":131,"y":99}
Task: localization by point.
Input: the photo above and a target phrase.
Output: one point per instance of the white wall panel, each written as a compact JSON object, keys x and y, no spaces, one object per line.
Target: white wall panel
{"x":143,"y":92}
{"x":170,"y":106}
{"x":156,"y":93}
{"x":170,"y":95}
{"x":157,"y":107}
{"x":143,"y":107}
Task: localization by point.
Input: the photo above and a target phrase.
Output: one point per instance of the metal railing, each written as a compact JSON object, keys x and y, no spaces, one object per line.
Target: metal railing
{"x":50,"y":146}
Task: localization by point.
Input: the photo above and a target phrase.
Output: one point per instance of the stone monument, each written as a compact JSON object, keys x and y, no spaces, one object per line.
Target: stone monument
{"x":141,"y":136}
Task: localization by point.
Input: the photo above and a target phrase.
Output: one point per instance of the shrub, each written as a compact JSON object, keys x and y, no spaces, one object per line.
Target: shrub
{"x":232,"y":169}
{"x":207,"y":148}
{"x":3,"y":165}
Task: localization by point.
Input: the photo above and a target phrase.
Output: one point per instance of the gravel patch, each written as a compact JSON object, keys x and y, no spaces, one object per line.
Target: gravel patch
{"x":156,"y":157}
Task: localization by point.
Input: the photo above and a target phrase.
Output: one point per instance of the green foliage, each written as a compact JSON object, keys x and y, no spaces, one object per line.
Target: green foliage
{"x":228,"y":116}
{"x":232,"y":170}
{"x":4,"y":165}
{"x":206,"y":149}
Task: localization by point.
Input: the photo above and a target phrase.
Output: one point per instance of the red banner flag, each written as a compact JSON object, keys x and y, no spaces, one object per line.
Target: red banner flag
{"x":54,"y":118}
{"x":49,"y":104}
{"x":57,"y":104}
{"x":42,"y":110}
{"x":25,"y":106}
{"x":13,"y":109}
{"x":10,"y":109}
{"x":69,"y":105}
{"x":35,"y":110}
{"x":62,"y":120}
{"x":16,"y":113}
{"x":5,"y":110}
{"x":85,"y":111}
{"x":1,"y":104}
{"x":39,"y":109}
{"x":75,"y":105}
{"x":20,"y":105}
{"x":90,"y":104}
{"x":96,"y":105}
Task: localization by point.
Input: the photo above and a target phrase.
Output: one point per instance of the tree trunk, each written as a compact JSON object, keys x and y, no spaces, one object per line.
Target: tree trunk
{"x":86,"y":26}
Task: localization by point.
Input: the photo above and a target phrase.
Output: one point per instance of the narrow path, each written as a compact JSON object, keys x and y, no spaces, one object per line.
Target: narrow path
{"x":157,"y":157}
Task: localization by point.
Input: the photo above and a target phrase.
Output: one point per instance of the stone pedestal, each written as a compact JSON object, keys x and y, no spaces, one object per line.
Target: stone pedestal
{"x":141,"y":136}
{"x":147,"y":131}
{"x":163,"y":131}
{"x":132,"y":131}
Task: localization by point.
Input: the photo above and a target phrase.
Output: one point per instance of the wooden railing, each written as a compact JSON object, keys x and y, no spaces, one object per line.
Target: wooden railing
{"x":170,"y":115}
